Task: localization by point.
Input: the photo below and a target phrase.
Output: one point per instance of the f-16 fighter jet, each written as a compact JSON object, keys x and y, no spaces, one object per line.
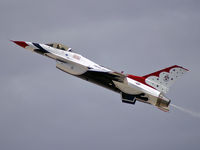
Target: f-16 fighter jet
{"x":148,"y":89}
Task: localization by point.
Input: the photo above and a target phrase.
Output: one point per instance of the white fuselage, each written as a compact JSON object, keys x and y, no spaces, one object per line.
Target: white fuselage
{"x":76,"y":64}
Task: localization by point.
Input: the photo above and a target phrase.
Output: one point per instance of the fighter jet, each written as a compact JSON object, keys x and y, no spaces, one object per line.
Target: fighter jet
{"x":150,"y":89}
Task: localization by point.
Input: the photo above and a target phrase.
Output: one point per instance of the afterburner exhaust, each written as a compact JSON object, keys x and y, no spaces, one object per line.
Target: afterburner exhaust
{"x":163,"y":103}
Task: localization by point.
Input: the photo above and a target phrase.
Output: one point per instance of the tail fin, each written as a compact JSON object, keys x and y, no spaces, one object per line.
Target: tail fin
{"x":163,"y":79}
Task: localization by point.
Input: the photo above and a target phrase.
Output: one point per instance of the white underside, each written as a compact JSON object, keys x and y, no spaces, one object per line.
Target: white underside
{"x":76,"y":64}
{"x":71,"y":68}
{"x":133,"y":87}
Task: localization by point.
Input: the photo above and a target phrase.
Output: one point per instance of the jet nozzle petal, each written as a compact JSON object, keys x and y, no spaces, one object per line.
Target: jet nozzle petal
{"x":21,"y":43}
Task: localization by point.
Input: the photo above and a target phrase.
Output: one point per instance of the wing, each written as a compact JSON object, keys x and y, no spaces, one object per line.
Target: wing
{"x":104,"y":78}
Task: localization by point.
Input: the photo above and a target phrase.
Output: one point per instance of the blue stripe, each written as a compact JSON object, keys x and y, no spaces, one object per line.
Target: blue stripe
{"x":40,"y":48}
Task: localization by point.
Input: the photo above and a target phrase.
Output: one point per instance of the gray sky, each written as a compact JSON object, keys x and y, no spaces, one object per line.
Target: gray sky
{"x":44,"y":108}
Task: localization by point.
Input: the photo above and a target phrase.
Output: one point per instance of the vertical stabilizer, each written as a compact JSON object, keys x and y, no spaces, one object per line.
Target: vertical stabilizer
{"x":163,"y":79}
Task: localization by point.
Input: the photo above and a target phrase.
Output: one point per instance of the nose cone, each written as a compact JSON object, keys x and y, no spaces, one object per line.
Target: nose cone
{"x":21,"y":43}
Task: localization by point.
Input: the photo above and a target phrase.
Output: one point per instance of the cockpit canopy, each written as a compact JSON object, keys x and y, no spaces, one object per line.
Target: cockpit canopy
{"x":59,"y":46}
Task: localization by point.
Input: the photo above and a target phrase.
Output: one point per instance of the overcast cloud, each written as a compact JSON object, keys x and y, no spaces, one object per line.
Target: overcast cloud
{"x":44,"y":108}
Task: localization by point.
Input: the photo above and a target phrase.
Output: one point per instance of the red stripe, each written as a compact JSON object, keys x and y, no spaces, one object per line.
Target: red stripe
{"x":21,"y":43}
{"x":164,"y":70}
{"x":139,"y":79}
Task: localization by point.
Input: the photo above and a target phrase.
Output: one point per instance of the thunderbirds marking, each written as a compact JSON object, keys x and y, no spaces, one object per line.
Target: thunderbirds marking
{"x":149,"y":89}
